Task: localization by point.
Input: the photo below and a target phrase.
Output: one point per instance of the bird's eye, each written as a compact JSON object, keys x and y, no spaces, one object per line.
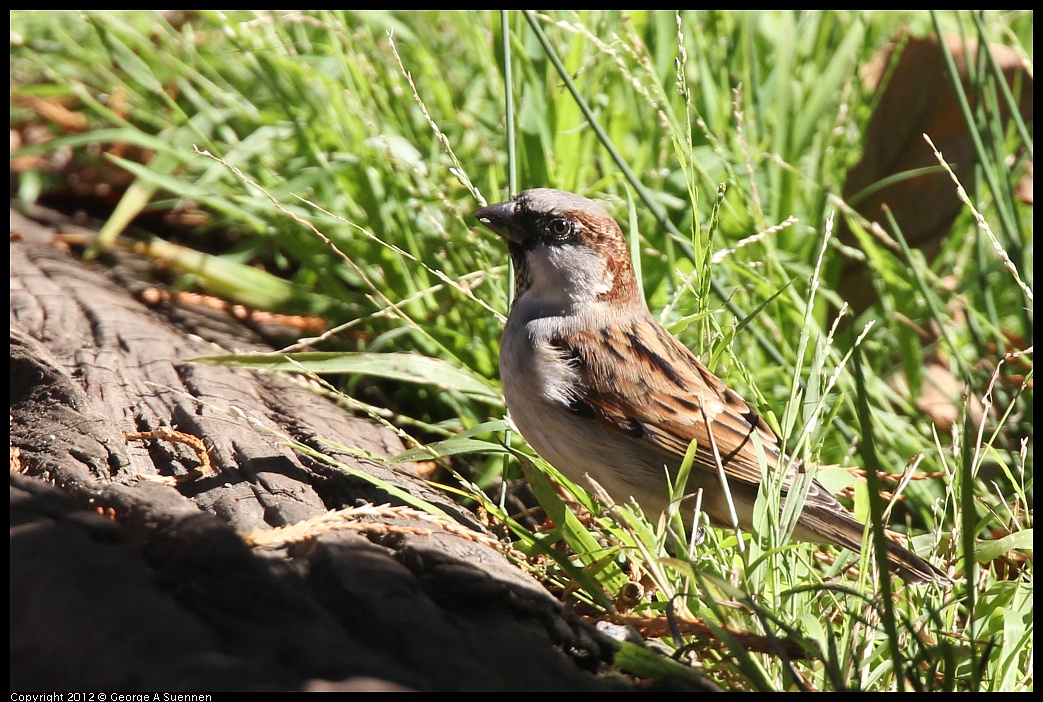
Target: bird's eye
{"x":560,"y":228}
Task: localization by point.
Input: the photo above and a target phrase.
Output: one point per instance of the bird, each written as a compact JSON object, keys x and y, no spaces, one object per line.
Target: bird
{"x":598,"y":387}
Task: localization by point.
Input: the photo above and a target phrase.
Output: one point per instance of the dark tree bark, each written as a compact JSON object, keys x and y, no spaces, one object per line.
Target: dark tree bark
{"x":120,"y":583}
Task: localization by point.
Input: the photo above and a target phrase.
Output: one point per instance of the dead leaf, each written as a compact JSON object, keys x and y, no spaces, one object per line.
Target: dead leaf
{"x":918,"y":98}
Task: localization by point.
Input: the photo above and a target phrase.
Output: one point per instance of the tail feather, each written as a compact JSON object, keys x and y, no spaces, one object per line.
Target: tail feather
{"x":914,"y":568}
{"x":830,"y":526}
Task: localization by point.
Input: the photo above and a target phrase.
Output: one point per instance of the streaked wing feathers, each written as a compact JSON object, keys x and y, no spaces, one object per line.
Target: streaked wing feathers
{"x":658,"y":393}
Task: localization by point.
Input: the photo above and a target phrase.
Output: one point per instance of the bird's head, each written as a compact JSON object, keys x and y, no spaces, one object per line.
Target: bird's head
{"x":565,"y":248}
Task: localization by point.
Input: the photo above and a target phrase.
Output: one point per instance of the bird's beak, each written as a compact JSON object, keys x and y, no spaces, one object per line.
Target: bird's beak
{"x":501,"y":219}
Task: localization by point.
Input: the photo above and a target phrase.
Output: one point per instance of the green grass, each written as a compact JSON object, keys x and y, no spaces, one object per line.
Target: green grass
{"x":344,"y":151}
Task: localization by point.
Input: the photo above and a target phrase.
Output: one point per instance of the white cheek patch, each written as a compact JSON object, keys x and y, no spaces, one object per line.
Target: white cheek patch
{"x":568,"y":273}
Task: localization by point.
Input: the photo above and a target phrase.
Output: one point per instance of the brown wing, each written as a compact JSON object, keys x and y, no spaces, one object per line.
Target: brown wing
{"x":651,"y":388}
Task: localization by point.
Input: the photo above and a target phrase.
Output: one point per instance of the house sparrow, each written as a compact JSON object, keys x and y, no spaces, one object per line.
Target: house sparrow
{"x":596,"y":385}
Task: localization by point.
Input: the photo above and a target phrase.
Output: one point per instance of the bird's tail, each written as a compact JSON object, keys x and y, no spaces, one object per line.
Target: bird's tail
{"x":835,"y":526}
{"x":912,"y":567}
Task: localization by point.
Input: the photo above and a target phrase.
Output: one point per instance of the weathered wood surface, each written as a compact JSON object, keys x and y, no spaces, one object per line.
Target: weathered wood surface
{"x":119,"y":583}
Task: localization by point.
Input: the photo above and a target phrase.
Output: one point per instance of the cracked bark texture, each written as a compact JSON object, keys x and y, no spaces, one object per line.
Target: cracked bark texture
{"x":121,"y":584}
